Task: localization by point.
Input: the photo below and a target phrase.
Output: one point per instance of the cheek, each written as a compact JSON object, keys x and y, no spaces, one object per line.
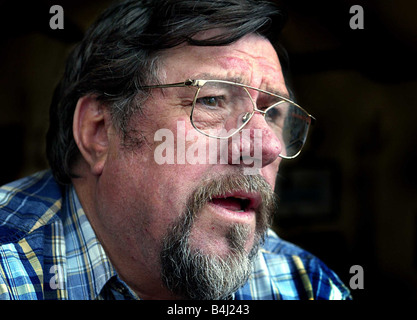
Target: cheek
{"x":152,"y":195}
{"x":180,"y":151}
{"x":270,"y":172}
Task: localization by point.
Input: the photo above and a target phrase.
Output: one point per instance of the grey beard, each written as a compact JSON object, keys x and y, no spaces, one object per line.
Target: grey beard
{"x":190,"y":273}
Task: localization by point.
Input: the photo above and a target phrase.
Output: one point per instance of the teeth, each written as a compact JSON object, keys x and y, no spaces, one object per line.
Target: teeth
{"x":240,"y":211}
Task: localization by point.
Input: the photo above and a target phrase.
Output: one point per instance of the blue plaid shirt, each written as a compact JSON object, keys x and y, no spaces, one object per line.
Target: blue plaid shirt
{"x":48,"y":250}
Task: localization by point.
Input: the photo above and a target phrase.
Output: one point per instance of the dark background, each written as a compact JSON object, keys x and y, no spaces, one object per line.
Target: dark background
{"x":350,"y":198}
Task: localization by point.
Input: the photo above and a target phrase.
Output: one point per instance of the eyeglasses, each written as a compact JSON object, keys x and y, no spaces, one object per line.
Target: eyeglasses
{"x":222,"y":108}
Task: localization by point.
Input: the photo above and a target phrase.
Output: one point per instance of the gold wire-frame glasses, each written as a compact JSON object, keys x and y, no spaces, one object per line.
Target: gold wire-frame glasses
{"x":289,"y":120}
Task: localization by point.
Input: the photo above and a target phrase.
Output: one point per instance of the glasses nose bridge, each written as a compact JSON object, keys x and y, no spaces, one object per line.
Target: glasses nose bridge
{"x":255,"y":109}
{"x":258,"y":125}
{"x":254,"y":105}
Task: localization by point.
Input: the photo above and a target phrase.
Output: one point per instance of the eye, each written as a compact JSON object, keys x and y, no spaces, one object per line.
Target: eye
{"x":273,"y":115}
{"x":210,"y":102}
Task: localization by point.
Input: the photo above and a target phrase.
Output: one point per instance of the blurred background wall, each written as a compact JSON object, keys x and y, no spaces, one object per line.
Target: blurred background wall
{"x":351,"y":197}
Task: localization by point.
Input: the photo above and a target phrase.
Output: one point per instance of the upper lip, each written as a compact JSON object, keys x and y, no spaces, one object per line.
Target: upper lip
{"x":254,"y":198}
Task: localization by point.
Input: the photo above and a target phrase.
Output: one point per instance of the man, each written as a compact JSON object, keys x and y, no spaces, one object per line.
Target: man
{"x":113,"y":219}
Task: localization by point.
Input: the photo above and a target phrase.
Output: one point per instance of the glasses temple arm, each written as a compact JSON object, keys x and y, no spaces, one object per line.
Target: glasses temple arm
{"x":171,"y":85}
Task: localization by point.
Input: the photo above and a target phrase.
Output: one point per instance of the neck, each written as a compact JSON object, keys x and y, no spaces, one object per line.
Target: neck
{"x":136,"y":265}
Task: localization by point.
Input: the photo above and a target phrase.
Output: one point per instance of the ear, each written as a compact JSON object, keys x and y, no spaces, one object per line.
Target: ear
{"x":90,"y":130}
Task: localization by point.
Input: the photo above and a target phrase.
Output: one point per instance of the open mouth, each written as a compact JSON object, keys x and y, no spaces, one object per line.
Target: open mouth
{"x":232,"y":203}
{"x":238,"y":201}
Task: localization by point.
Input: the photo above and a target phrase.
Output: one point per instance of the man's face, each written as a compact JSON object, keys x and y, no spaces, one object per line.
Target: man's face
{"x":147,"y":208}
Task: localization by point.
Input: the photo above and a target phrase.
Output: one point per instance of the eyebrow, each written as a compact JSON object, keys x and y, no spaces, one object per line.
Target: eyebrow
{"x":211,"y":76}
{"x":240,"y":80}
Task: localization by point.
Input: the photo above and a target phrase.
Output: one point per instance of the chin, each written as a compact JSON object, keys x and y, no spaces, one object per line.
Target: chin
{"x":223,"y":242}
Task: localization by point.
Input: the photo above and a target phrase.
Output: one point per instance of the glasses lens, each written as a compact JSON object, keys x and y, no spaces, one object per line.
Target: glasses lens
{"x":291,"y":125}
{"x":221,"y":109}
{"x":289,"y":122}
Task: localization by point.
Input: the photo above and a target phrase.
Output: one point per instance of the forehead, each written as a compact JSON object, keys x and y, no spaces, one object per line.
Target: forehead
{"x":252,"y":59}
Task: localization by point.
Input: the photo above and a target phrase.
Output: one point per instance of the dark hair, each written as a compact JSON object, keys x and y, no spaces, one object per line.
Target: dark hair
{"x":119,"y":55}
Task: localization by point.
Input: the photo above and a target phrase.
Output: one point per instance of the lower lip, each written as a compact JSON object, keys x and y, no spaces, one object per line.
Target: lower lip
{"x":242,"y":217}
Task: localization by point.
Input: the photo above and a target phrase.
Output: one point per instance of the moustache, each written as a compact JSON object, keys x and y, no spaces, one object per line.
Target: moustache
{"x":216,"y":187}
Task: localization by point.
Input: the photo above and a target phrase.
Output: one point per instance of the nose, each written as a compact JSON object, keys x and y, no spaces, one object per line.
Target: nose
{"x":255,"y":145}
